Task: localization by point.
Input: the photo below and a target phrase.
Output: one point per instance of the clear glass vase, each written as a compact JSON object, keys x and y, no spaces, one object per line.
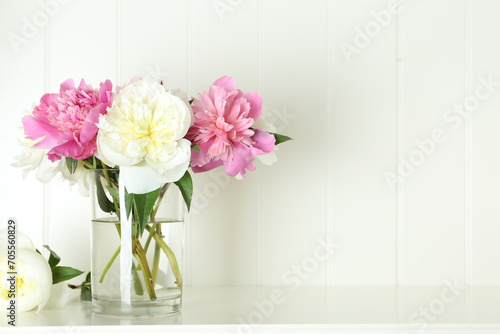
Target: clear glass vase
{"x":150,"y":281}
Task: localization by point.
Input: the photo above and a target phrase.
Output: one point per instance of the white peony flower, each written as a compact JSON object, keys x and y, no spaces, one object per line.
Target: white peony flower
{"x":34,"y":276}
{"x":32,"y":158}
{"x":80,"y":176}
{"x":22,"y":241}
{"x":142,"y":133}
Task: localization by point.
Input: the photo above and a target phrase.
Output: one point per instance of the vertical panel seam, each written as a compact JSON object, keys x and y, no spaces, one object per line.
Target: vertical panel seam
{"x":119,"y":42}
{"x":329,"y":123}
{"x":260,"y":75}
{"x":399,"y":191}
{"x":468,"y":148}
{"x":46,"y":186}
{"x":190,"y":78}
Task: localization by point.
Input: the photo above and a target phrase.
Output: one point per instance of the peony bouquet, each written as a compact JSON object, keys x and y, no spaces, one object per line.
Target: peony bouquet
{"x":152,"y":135}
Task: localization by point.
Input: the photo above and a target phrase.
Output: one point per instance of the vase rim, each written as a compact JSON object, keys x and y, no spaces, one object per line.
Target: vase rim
{"x":108,"y":169}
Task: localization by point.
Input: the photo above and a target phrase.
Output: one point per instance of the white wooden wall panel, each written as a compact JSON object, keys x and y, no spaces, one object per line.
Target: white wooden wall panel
{"x":485,"y":121}
{"x":156,"y":32}
{"x":294,"y":78}
{"x":433,"y":213}
{"x":363,"y":146}
{"x":22,"y":70}
{"x":353,"y":120}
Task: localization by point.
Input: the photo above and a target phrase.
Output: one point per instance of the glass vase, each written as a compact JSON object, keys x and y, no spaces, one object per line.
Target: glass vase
{"x":146,"y":279}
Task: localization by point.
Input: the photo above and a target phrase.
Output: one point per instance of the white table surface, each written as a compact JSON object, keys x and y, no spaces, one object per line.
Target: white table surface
{"x":285,"y":310}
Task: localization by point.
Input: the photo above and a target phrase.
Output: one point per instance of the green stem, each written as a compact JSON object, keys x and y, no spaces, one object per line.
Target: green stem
{"x":137,"y":282}
{"x":158,"y":202}
{"x":156,"y":258}
{"x":148,"y":281}
{"x":150,"y":236}
{"x":170,"y":254}
{"x":109,"y":264}
{"x":152,"y":217}
{"x":113,"y":258}
{"x":86,"y":163}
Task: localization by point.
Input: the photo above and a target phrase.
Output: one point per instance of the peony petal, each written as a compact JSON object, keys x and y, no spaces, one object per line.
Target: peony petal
{"x":178,"y":104}
{"x":206,"y":167}
{"x":68,"y":149}
{"x":93,"y":115}
{"x":242,"y":160}
{"x":140,"y":179}
{"x":264,"y":142}
{"x":67,"y":85}
{"x":22,"y":241}
{"x":218,"y":96}
{"x":47,"y":170}
{"x":30,"y":157}
{"x":35,"y":270}
{"x":89,"y":131}
{"x":105,"y":96}
{"x":80,"y":176}
{"x":182,"y":154}
{"x":47,"y":100}
{"x":82,"y":84}
{"x":227,"y":82}
{"x":110,"y":157}
{"x":35,"y":129}
{"x":255,"y":104}
{"x":172,"y":170}
{"x":201,"y":158}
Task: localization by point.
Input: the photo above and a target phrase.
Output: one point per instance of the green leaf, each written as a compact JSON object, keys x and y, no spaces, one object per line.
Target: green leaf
{"x":85,"y":287}
{"x":104,"y":203}
{"x":185,"y":185}
{"x":86,"y":293}
{"x":61,"y":274}
{"x":280,"y":138}
{"x":144,"y":203}
{"x":69,"y":164}
{"x":72,"y":164}
{"x":196,"y":147}
{"x":113,"y":192}
{"x":54,"y":259}
{"x":129,"y":200}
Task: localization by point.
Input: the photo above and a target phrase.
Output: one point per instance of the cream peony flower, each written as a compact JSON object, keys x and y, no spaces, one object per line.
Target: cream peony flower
{"x":22,"y":241}
{"x":34,"y":276}
{"x":142,"y":133}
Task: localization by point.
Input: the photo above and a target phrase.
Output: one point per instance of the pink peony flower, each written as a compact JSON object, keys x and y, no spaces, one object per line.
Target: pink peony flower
{"x":67,"y":121}
{"x":222,"y":129}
